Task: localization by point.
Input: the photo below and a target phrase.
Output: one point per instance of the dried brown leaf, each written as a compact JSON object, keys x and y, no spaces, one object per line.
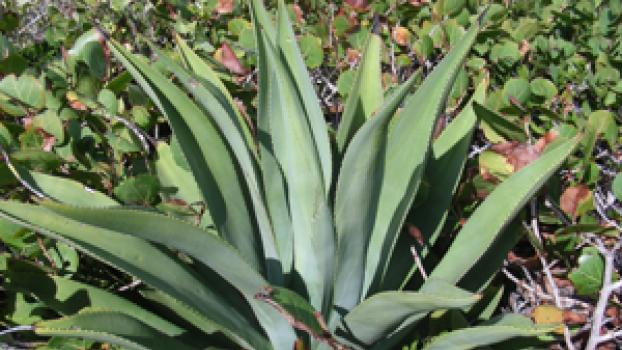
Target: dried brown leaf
{"x":517,"y":154}
{"x":401,"y":36}
{"x":572,"y":196}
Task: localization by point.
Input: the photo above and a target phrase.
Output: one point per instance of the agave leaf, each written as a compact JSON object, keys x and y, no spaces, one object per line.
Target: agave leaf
{"x":294,"y":308}
{"x":205,"y":94}
{"x":482,"y":273}
{"x":109,"y":327}
{"x":449,"y":154}
{"x":382,"y":313}
{"x":356,"y":198}
{"x":497,"y":211}
{"x":272,"y":174}
{"x":296,"y":154}
{"x":179,"y":308}
{"x":65,"y":190}
{"x":67,"y":297}
{"x":366,"y":94}
{"x":138,"y":258}
{"x":198,"y":243}
{"x":406,"y":156}
{"x":283,"y":39}
{"x":287,"y":45}
{"x":199,"y":67}
{"x":507,"y":327}
{"x":207,"y":154}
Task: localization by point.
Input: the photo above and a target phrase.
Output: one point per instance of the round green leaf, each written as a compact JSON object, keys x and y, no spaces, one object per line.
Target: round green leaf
{"x":507,"y":52}
{"x":345,"y":82}
{"x":588,"y":277}
{"x":108,"y":99}
{"x":311,"y":49}
{"x":543,"y":88}
{"x":26,"y":89}
{"x":517,"y":88}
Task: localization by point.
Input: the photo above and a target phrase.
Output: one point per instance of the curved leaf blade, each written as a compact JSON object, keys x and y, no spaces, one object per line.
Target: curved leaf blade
{"x":377,"y":316}
{"x":497,"y":211}
{"x":406,"y":156}
{"x":199,"y":67}
{"x":110,"y":327}
{"x":358,"y":189}
{"x":196,"y":242}
{"x":206,"y":152}
{"x":138,"y":258}
{"x":67,"y":297}
{"x":366,"y":94}
{"x":295,"y":152}
{"x":65,"y":190}
{"x":508,"y":327}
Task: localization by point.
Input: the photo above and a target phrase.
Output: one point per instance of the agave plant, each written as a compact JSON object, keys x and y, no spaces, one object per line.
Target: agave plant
{"x":301,"y":243}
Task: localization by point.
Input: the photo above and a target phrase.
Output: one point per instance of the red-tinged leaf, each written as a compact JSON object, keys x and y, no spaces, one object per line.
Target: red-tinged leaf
{"x":74,"y":101}
{"x":524,"y":48}
{"x":572,"y":197}
{"x":228,"y":59}
{"x":102,"y":41}
{"x":521,"y":154}
{"x":418,"y":3}
{"x":225,"y":6}
{"x":517,"y":154}
{"x":27,"y":122}
{"x":48,"y":142}
{"x":415,"y":232}
{"x":357,"y":4}
{"x":352,"y":56}
{"x":298,"y":12}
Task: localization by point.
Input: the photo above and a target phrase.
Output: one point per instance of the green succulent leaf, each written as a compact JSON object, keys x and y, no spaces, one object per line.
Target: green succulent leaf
{"x":498,"y":210}
{"x":382,"y":313}
{"x":65,"y":190}
{"x":198,"y":243}
{"x":366,"y":94}
{"x":356,"y":198}
{"x":507,"y":327}
{"x":138,"y":258}
{"x":296,"y":150}
{"x":110,"y":327}
{"x":406,"y":156}
{"x":205,"y":151}
{"x":68,"y":297}
{"x":449,"y":155}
